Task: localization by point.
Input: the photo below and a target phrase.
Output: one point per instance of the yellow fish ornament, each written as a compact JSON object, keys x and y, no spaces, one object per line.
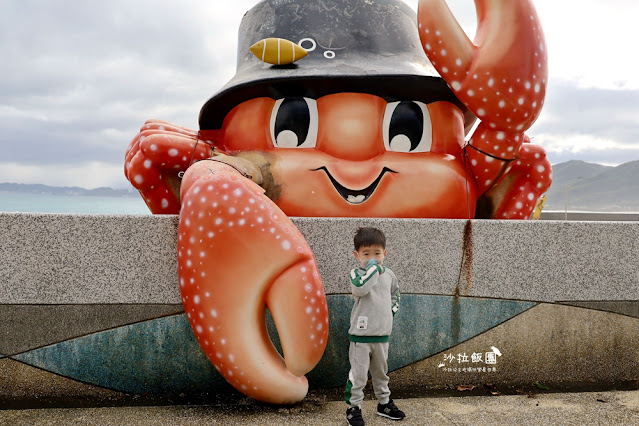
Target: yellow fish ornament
{"x":278,"y":51}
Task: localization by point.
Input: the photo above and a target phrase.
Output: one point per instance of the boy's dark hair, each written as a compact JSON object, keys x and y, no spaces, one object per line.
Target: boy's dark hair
{"x":365,"y":237}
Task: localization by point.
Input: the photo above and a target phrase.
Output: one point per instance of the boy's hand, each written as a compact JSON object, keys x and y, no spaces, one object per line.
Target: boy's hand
{"x":373,"y":262}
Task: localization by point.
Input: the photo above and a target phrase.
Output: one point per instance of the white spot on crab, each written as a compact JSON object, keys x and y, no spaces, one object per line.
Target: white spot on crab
{"x":138,"y":179}
{"x":286,"y":245}
{"x":502,"y":104}
{"x":541,"y":169}
{"x":456,"y":85}
{"x":518,"y":205}
{"x":214,"y":313}
{"x":173,"y":152}
{"x":164,"y":203}
{"x":481,"y":112}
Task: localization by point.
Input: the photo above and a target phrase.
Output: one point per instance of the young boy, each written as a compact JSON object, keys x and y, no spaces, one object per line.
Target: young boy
{"x":376,"y":293}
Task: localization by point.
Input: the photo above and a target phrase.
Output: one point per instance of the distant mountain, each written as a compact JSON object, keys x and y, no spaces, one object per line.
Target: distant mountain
{"x":23,"y":188}
{"x":586,"y":186}
{"x":593,"y":187}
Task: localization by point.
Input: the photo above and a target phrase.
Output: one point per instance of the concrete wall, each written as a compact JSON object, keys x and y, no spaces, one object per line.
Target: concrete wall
{"x":590,"y":216}
{"x":503,"y":302}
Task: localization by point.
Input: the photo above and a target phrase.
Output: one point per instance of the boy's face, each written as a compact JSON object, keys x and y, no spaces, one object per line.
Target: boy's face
{"x":365,"y":253}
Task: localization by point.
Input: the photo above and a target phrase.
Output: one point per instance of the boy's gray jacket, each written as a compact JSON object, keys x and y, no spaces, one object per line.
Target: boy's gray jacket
{"x":376,"y":294}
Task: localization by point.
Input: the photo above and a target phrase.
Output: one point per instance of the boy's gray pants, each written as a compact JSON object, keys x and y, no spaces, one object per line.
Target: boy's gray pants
{"x":365,"y":356}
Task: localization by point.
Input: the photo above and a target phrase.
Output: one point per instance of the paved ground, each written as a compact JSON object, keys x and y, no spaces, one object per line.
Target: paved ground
{"x":609,"y":408}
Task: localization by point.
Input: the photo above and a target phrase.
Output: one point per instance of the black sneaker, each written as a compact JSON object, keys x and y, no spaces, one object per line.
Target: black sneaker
{"x":354,"y":417}
{"x":390,"y":410}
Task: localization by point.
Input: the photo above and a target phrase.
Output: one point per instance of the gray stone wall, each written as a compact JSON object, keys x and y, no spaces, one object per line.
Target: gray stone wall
{"x":53,"y":259}
{"x":90,"y":305}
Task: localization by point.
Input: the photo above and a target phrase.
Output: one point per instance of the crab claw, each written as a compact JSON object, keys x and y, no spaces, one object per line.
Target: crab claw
{"x":154,"y":158}
{"x":502,"y":77}
{"x":239,"y":254}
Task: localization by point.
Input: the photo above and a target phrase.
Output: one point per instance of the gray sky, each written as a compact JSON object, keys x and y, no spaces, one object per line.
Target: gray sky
{"x":78,"y":79}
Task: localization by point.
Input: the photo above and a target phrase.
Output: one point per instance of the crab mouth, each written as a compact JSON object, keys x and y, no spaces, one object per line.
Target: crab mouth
{"x":355,"y":196}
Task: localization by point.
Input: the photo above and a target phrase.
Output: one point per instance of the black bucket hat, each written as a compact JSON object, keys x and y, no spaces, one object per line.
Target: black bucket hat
{"x":364,"y":46}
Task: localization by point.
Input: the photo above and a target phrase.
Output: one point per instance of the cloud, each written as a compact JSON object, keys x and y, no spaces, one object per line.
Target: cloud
{"x":79,"y":79}
{"x":590,"y":124}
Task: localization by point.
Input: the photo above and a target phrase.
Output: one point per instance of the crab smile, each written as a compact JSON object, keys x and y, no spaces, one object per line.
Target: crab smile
{"x":355,"y":196}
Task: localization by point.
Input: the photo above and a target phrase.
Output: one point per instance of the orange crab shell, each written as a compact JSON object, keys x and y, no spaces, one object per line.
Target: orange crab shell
{"x":350,"y":147}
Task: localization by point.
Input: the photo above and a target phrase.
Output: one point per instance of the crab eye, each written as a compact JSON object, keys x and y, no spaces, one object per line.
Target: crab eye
{"x":294,"y":123}
{"x":407,"y":127}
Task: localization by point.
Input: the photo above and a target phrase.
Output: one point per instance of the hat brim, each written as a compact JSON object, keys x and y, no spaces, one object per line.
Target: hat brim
{"x":295,"y":81}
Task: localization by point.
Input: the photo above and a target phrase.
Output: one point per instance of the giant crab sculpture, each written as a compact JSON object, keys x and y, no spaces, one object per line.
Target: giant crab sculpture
{"x":338,"y":134}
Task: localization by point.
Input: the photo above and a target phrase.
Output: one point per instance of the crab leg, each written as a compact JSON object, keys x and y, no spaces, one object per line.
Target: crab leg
{"x":238,"y":254}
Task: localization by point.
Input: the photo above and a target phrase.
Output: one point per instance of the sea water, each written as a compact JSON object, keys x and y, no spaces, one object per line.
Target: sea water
{"x":36,"y":203}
